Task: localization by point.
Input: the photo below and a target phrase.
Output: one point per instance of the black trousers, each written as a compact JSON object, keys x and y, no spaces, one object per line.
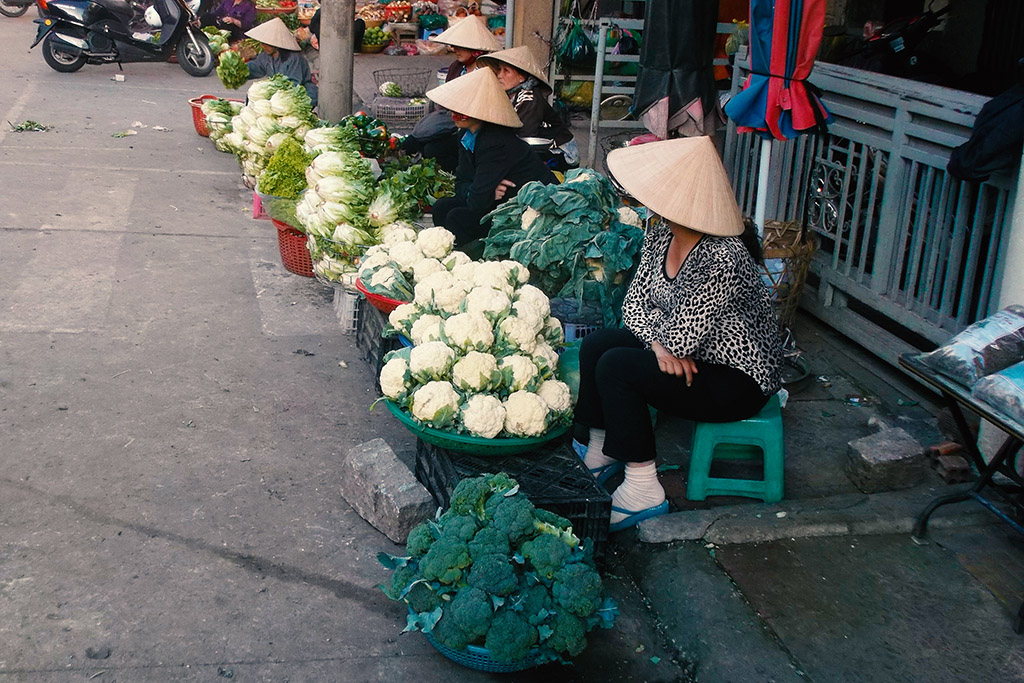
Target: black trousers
{"x":619,"y":378}
{"x":463,"y":222}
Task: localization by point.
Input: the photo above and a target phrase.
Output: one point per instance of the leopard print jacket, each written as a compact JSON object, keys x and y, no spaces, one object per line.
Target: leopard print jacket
{"x":716,"y":309}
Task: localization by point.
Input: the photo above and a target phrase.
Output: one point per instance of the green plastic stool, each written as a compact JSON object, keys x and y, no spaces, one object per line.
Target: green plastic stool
{"x":744,"y":440}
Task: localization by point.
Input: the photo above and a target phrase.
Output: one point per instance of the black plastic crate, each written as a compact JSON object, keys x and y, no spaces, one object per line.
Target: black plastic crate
{"x":553,"y":477}
{"x":370,"y":342}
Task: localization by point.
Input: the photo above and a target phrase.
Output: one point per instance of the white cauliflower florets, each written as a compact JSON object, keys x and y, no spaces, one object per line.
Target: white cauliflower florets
{"x":426,"y":328}
{"x":405,"y":255}
{"x":491,"y":302}
{"x":436,"y":403}
{"x":544,"y":351}
{"x":394,"y":378}
{"x":394,"y":233}
{"x":629,"y":217}
{"x":520,"y":371}
{"x":464,"y":271}
{"x":431,"y":361}
{"x":456,"y":258}
{"x":553,"y":331}
{"x":492,"y":274}
{"x":476,"y":372}
{"x":556,"y":395}
{"x":435,"y":242}
{"x":535,"y":300}
{"x":526,"y":414}
{"x":483,"y":415}
{"x":469,"y":331}
{"x":520,"y":332}
{"x":450,"y":300}
{"x":517,"y":270}
{"x":529,"y":216}
{"x":424,"y":267}
{"x":430,"y":285}
{"x":402,"y":318}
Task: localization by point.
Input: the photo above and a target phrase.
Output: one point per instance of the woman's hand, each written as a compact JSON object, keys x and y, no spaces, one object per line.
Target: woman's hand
{"x":502,"y":189}
{"x":670,"y":365}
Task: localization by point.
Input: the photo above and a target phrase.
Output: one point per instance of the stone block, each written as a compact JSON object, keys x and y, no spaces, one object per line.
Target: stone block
{"x":383,"y":491}
{"x":885,"y":461}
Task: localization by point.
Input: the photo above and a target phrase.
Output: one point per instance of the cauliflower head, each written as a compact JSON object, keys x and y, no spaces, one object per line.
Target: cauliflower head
{"x":435,"y":242}
{"x":491,"y":302}
{"x":529,"y":216}
{"x":403,"y":317}
{"x":492,"y":274}
{"x":476,"y":372}
{"x":545,"y":355}
{"x":464,"y":271}
{"x":456,"y":258}
{"x":429,"y":286}
{"x":520,"y":372}
{"x":371,"y":262}
{"x":405,"y":255}
{"x":435,"y":403}
{"x":483,"y":415}
{"x":555,"y":394}
{"x":553,"y":332}
{"x":526,"y":414}
{"x":431,"y":361}
{"x":426,"y":328}
{"x":629,"y":217}
{"x":424,"y":267}
{"x":517,"y":271}
{"x":394,"y":378}
{"x":468,"y":332}
{"x":394,"y":233}
{"x":450,"y":300}
{"x":534,"y":300}
{"x":517,"y":333}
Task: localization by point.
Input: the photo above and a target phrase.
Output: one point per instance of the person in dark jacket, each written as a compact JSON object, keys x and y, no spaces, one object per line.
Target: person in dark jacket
{"x":281,"y":55}
{"x":493,"y":162}
{"x":545,"y":131}
{"x":236,"y":16}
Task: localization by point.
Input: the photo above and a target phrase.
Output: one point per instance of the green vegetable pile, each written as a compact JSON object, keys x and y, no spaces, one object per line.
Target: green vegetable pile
{"x":284,"y":180}
{"x":290,"y":19}
{"x":575,"y":238}
{"x":232,"y":70}
{"x":422,"y":180}
{"x":495,"y":571}
{"x":372,"y":134}
{"x":219,"y":39}
{"x":28,"y":125}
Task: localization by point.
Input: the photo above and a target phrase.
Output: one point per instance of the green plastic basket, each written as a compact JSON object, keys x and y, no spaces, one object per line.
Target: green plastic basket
{"x":479,"y":658}
{"x":474,"y":445}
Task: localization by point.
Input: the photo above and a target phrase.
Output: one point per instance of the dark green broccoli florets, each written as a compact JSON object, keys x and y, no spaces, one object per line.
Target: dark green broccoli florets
{"x":501,"y":482}
{"x":488,"y":541}
{"x":510,"y":637}
{"x":448,"y":633}
{"x":568,"y":634}
{"x":494,"y":574}
{"x":461,"y":527}
{"x":534,"y":603}
{"x":445,"y":560}
{"x":546,"y":553}
{"x":400,"y":579}
{"x":578,"y":588}
{"x":469,"y":496}
{"x":471,"y":610}
{"x":423,"y":598}
{"x":552,"y":519}
{"x":514,"y":516}
{"x":420,"y":539}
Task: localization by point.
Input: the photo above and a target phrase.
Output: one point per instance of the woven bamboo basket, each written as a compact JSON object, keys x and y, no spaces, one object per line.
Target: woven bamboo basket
{"x":787,"y":260}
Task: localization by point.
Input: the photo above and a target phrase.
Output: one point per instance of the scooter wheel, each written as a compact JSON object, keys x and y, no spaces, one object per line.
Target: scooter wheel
{"x":61,"y":58}
{"x":12,"y":10}
{"x":196,"y":61}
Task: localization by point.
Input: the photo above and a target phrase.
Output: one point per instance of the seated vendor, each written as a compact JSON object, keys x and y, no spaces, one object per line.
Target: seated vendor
{"x":543,"y":128}
{"x":281,"y":55}
{"x":236,"y":16}
{"x":493,"y":162}
{"x":435,"y":136}
{"x":700,"y":338}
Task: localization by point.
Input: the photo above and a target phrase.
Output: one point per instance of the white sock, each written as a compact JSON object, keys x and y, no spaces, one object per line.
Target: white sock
{"x":595,"y":456}
{"x":638,"y":491}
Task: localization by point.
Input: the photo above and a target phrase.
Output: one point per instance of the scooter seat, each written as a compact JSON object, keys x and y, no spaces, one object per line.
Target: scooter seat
{"x":120,"y":8}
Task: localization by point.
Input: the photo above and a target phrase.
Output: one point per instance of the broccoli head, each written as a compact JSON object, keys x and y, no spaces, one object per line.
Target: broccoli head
{"x":547,"y":554}
{"x":420,"y":539}
{"x":552,"y":519}
{"x":471,"y":610}
{"x":568,"y":634}
{"x":448,"y":633}
{"x":514,"y":516}
{"x":400,"y":579}
{"x":469,"y":496}
{"x":533,"y":603}
{"x":445,"y":560}
{"x":423,"y":598}
{"x":455,"y":526}
{"x":488,"y":541}
{"x":501,"y":482}
{"x":494,"y":574}
{"x":510,"y":637}
{"x":578,"y":588}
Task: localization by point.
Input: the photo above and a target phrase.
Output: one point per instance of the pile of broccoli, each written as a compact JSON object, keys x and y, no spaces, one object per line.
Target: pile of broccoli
{"x":495,"y":571}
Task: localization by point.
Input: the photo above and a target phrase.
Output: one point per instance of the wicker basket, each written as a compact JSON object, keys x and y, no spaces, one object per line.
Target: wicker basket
{"x":475,"y":657}
{"x":292,"y":245}
{"x":413,"y":82}
{"x":400,"y":114}
{"x":374,"y":48}
{"x":198,"y":117}
{"x":786,"y":261}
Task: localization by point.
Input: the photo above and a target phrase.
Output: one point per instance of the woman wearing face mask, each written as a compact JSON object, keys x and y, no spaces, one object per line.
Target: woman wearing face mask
{"x":544,"y":130}
{"x":435,"y":136}
{"x":493,"y":162}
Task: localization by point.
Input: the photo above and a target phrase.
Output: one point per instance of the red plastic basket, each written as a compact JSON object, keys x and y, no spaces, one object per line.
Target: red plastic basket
{"x":381,"y":303}
{"x":294,"y":254}
{"x":198,"y":117}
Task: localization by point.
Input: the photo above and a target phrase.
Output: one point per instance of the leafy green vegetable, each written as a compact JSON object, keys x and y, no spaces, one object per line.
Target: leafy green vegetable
{"x":285,"y":175}
{"x":28,"y":125}
{"x":232,"y":70}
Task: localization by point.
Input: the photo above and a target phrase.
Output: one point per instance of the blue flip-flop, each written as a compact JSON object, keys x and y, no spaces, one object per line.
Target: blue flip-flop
{"x":633,"y":517}
{"x":603,"y":473}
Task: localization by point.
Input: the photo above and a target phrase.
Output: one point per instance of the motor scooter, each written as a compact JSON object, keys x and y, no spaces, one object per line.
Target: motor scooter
{"x":79,"y":32}
{"x":15,"y":8}
{"x":893,"y":48}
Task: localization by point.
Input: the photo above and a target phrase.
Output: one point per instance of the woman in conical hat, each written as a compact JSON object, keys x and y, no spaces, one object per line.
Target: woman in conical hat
{"x":493,"y":162}
{"x":469,"y":38}
{"x":523,"y":80}
{"x":700,"y":337}
{"x":281,"y":55}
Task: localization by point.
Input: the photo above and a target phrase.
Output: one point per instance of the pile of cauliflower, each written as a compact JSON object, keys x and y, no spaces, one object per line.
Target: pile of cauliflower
{"x":498,"y":572}
{"x":483,"y":357}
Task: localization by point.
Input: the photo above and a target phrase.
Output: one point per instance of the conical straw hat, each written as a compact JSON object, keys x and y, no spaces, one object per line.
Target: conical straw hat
{"x":681,"y":180}
{"x":275,"y":33}
{"x":478,"y":95}
{"x":470,"y":33}
{"x":519,"y":57}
